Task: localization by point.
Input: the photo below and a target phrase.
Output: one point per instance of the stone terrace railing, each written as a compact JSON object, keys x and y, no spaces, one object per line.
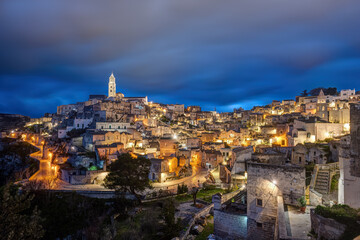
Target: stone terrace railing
{"x":281,"y":222}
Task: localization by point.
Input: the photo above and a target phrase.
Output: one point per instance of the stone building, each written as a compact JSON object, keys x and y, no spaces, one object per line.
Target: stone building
{"x":240,"y":156}
{"x":112,"y":86}
{"x":349,"y":162}
{"x":168,"y":146}
{"x":112,"y":126}
{"x":211,"y":158}
{"x":303,"y":154}
{"x":193,"y":143}
{"x":265,"y":183}
{"x":230,"y":220}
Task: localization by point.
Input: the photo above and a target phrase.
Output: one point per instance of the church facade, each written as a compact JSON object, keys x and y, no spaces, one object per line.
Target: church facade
{"x":119,"y":96}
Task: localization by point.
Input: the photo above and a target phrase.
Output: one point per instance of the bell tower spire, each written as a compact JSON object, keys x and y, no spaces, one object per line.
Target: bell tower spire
{"x":112,"y":86}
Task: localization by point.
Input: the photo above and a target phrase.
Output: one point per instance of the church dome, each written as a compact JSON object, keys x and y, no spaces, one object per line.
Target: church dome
{"x":119,"y":95}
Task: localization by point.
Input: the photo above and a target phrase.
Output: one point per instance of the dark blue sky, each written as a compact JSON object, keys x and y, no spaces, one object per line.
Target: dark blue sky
{"x":221,"y":54}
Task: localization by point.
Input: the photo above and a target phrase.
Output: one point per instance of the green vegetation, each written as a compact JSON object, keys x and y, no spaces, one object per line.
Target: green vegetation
{"x":308,"y":171}
{"x":302,"y":201}
{"x":203,"y":194}
{"x":129,"y":174}
{"x":334,"y":182}
{"x":171,"y":226}
{"x":157,"y":221}
{"x":342,"y":214}
{"x":19,"y":151}
{"x":182,"y":189}
{"x":209,"y":229}
{"x":65,"y":214}
{"x":75,"y":133}
{"x":17,"y":219}
{"x":164,"y":119}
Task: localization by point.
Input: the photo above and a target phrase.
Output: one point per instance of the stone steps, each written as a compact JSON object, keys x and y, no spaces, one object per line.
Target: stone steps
{"x":322,"y":182}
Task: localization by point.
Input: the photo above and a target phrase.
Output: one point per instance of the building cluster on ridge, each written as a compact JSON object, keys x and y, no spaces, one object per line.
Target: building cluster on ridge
{"x":267,"y":148}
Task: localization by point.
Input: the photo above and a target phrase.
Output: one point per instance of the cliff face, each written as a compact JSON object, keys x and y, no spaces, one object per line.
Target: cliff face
{"x":11,"y":121}
{"x":14,"y":158}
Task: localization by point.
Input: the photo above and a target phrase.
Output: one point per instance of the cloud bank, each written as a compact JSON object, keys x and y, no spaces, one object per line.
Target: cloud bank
{"x":211,"y":53}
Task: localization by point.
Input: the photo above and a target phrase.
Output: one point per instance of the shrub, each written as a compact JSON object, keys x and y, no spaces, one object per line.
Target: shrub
{"x":339,"y":212}
{"x":182,"y":189}
{"x":342,"y":214}
{"x":209,"y":187}
{"x":335,"y":182}
{"x":302,"y":201}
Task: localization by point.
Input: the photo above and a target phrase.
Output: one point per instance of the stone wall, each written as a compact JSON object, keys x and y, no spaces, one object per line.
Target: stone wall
{"x":230,"y":226}
{"x":326,"y":228}
{"x":265,"y":183}
{"x":266,"y":231}
{"x":289,"y":179}
{"x":355,"y":139}
{"x":315,"y":197}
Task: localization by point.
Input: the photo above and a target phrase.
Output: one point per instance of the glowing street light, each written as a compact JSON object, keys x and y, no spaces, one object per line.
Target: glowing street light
{"x":274,"y":182}
{"x":50,"y":155}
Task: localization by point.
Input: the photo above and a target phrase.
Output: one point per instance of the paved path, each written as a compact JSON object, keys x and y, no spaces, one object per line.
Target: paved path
{"x":197,"y":176}
{"x":300,"y":223}
{"x":45,"y":170}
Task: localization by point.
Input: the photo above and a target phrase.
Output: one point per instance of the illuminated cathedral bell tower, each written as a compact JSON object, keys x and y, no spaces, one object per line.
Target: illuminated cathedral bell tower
{"x":112,"y":86}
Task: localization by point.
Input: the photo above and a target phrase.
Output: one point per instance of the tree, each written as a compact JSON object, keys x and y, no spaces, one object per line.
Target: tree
{"x":75,"y":133}
{"x":327,"y":91}
{"x":17,"y":221}
{"x":304,"y":93}
{"x":182,"y":189}
{"x":172,"y":226}
{"x":194,"y":192}
{"x":129,"y":175}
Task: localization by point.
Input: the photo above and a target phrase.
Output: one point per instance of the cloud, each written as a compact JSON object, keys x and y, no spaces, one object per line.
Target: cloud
{"x":195,"y":52}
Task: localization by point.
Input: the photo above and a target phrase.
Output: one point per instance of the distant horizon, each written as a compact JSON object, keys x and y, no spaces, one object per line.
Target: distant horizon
{"x":186,"y":105}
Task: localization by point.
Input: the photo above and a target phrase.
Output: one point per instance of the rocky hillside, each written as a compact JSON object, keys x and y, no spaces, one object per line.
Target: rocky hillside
{"x":12,"y":121}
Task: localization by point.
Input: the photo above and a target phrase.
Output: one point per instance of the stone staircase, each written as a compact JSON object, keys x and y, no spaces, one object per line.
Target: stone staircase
{"x":240,"y":197}
{"x":322,"y":181}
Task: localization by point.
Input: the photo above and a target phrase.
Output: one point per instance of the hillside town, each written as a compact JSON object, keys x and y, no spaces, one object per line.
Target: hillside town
{"x":278,"y":167}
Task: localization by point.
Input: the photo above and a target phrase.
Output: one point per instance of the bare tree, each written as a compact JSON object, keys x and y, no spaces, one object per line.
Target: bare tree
{"x":194,"y":192}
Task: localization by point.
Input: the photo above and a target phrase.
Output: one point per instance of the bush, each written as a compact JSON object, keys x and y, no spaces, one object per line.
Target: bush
{"x":342,"y":214}
{"x":334,"y":182}
{"x":302,"y":201}
{"x":209,"y":187}
{"x":339,"y":212}
{"x":182,"y":189}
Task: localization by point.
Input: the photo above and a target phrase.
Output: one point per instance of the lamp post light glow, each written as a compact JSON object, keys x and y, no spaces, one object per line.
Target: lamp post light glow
{"x":274,"y":182}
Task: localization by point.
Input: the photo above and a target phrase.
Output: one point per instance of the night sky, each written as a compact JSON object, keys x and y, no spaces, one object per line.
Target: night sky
{"x":221,"y":54}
